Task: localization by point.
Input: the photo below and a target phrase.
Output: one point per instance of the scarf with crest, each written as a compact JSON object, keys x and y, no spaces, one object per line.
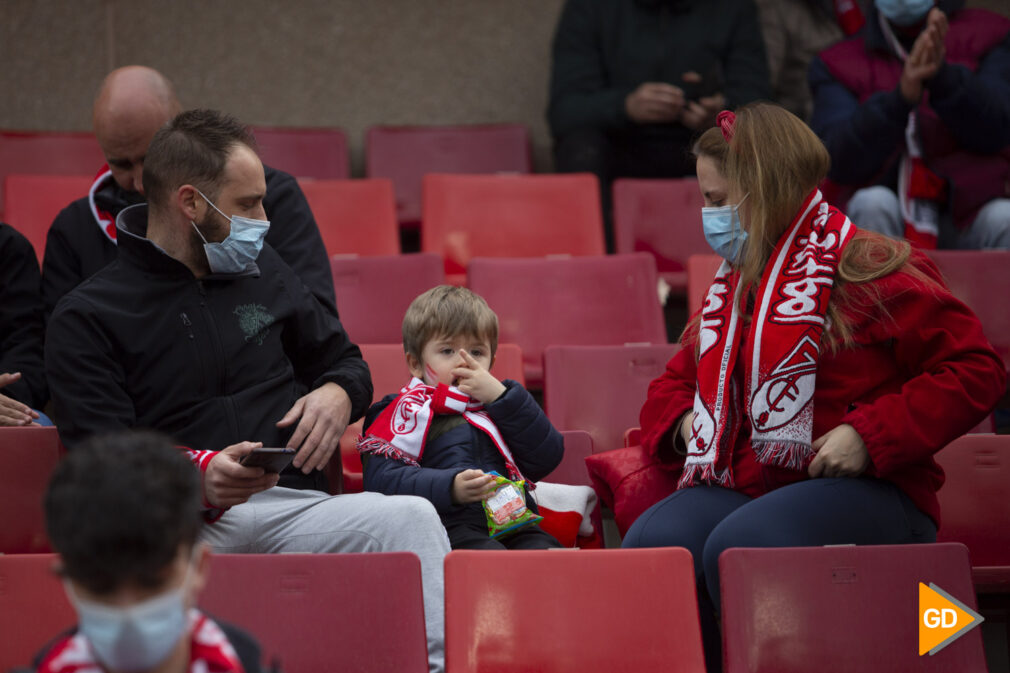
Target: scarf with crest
{"x":401,"y":429}
{"x":777,"y":389}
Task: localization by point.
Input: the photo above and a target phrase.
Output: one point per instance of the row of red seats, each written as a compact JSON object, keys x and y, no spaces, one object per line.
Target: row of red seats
{"x":465,"y":216}
{"x":400,"y":153}
{"x":827,"y":609}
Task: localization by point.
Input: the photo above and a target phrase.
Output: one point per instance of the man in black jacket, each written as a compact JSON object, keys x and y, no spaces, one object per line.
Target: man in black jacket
{"x":132,"y":104}
{"x":201,"y":331}
{"x":22,"y":379}
{"x":633,"y":81}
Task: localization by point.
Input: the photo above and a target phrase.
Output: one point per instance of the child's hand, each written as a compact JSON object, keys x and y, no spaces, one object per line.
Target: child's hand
{"x":471,"y":486}
{"x":476,"y":381}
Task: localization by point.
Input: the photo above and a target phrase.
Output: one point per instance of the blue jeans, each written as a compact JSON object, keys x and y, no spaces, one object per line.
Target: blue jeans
{"x":877,"y":209}
{"x":708,"y":520}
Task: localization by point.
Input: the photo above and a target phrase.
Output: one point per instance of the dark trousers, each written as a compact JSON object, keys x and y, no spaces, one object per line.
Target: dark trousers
{"x":475,"y":536}
{"x":708,"y":520}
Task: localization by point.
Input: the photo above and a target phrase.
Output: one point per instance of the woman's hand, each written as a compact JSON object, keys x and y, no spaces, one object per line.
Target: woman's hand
{"x":840,"y":453}
{"x":686,"y":428}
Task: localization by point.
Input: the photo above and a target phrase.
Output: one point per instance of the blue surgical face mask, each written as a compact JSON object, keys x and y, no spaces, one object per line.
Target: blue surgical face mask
{"x":134,"y":638}
{"x":239,"y":251}
{"x":723,"y":230}
{"x":904,"y":12}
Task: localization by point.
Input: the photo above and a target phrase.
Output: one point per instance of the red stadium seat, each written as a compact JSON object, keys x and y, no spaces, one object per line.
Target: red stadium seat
{"x":580,"y":300}
{"x":28,"y":456}
{"x":305,"y":152}
{"x":975,"y":505}
{"x":388,"y":366}
{"x":601,"y":389}
{"x":663,"y":218}
{"x":467,"y":216}
{"x":979,"y":278}
{"x":405,"y":154}
{"x":355,"y":217}
{"x":572,"y":470}
{"x":571,"y":611}
{"x":33,"y":607}
{"x":324,"y":612}
{"x":48,"y":153}
{"x":34,"y":201}
{"x":373,"y":293}
{"x":840,"y":609}
{"x":700,"y":272}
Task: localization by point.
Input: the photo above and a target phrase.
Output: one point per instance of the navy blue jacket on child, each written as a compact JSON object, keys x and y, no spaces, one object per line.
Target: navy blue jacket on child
{"x":454,"y":445}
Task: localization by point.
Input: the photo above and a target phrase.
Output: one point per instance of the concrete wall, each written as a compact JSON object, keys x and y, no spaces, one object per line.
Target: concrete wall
{"x":349,"y":63}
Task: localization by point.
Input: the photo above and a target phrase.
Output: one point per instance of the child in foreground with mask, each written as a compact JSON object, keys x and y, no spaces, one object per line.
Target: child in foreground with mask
{"x":454,"y":423}
{"x":124,"y":512}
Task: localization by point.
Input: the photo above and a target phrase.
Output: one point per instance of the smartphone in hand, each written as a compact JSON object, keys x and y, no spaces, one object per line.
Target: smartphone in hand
{"x":273,"y":460}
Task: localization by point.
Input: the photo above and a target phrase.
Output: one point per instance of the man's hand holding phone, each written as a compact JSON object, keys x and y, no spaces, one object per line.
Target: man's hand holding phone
{"x":227,"y":482}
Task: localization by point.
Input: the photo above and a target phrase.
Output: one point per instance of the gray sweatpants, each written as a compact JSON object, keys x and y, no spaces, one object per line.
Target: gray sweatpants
{"x":288,"y":520}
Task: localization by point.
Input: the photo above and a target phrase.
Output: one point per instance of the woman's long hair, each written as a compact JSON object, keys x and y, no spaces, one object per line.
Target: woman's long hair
{"x":777,"y":161}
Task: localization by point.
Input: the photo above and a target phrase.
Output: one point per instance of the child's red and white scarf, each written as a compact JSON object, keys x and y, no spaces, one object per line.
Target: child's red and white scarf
{"x":778,"y":387}
{"x":209,"y":652}
{"x":920,"y":190}
{"x":401,"y":429}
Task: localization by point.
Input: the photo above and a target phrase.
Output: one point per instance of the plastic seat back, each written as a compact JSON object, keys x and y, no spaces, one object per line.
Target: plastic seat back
{"x":29,"y":456}
{"x":976,"y":278}
{"x":33,"y":607}
{"x":840,"y":609}
{"x":305,"y":152}
{"x":578,"y":300}
{"x":663,"y":218}
{"x":355,"y":217}
{"x":601,"y":389}
{"x":373,"y":293}
{"x":571,"y":611}
{"x":405,"y":154}
{"x":318,"y":612}
{"x":975,"y":503}
{"x":701,"y":271}
{"x":467,"y":216}
{"x":34,"y":201}
{"x":48,"y":153}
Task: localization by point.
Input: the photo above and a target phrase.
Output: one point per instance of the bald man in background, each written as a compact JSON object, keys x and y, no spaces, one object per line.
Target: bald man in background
{"x":132,"y":104}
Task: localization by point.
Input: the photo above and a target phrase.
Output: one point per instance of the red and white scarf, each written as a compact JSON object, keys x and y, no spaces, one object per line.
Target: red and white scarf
{"x":920,"y":190}
{"x":209,"y":652}
{"x":106,"y":220}
{"x":778,"y":386}
{"x":401,"y":430}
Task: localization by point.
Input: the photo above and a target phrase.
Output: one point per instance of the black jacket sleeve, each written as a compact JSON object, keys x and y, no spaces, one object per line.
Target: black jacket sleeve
{"x":975,"y":106}
{"x":87,"y":379}
{"x":745,"y":61}
{"x":294,"y":234}
{"x":61,"y":266}
{"x":21,"y":319}
{"x":321,"y":352}
{"x":580,"y":93}
{"x":536,"y":445}
{"x":862,"y":139}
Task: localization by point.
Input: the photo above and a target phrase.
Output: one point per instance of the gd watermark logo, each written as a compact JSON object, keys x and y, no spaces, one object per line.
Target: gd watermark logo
{"x":942,"y":619}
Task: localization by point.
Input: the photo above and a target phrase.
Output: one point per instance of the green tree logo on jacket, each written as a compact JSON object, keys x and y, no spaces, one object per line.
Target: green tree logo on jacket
{"x":254,"y":321}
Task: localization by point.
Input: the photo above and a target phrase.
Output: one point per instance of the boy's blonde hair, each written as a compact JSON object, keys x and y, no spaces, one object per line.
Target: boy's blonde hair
{"x":448,"y":311}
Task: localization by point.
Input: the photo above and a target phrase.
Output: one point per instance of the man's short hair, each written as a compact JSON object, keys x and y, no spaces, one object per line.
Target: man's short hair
{"x":120,"y":507}
{"x":192,"y":149}
{"x":448,"y":311}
